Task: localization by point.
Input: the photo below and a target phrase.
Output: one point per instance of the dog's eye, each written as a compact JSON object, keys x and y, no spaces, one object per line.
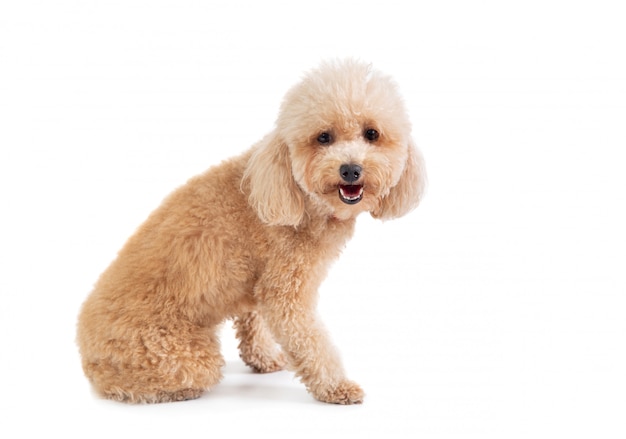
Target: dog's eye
{"x":324,"y":138}
{"x":371,"y":135}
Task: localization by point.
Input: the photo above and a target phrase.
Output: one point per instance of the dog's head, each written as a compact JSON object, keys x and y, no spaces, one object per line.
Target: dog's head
{"x":342,"y":140}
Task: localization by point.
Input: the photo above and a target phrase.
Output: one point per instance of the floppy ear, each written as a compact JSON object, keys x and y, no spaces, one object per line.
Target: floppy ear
{"x":274,"y":194}
{"x":406,"y":195}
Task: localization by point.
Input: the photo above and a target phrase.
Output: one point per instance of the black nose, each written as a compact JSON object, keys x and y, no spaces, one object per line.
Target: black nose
{"x":350,"y":173}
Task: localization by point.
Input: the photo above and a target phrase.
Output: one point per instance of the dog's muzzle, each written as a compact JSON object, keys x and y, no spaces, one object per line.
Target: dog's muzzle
{"x":351,"y":192}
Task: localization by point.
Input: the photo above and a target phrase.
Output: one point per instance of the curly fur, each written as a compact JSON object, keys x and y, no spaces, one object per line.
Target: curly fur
{"x":251,"y":240}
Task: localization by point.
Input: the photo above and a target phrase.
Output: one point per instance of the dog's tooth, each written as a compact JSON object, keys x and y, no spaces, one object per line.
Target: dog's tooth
{"x":351,"y":197}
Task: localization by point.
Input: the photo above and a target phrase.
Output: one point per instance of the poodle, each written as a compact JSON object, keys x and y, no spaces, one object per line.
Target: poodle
{"x":251,"y":239}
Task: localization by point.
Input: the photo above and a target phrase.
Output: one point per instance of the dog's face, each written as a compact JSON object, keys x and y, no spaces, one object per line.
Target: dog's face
{"x":343,"y":141}
{"x":348,"y":137}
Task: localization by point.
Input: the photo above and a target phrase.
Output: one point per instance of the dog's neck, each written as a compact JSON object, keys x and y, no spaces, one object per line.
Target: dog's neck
{"x":316,"y":224}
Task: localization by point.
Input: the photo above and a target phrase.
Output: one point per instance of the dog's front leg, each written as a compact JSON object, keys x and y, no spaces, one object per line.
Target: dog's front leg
{"x":290,"y":314}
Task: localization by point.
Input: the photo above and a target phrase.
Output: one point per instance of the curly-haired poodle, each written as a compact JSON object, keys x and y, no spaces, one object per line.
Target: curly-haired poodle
{"x":251,"y":240}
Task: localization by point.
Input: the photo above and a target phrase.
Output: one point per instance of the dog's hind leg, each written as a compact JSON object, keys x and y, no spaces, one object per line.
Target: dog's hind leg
{"x":257,"y":348}
{"x":157,"y":364}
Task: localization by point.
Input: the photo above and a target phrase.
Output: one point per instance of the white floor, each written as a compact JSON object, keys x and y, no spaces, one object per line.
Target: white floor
{"x":495,"y":310}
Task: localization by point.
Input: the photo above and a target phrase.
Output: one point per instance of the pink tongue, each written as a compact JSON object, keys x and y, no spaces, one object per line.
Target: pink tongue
{"x":351,"y":190}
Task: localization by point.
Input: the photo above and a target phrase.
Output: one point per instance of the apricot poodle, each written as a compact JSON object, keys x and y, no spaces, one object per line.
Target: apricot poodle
{"x":251,"y":240}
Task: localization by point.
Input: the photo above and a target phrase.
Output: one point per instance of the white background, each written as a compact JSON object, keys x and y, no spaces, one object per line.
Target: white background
{"x":495,"y":310}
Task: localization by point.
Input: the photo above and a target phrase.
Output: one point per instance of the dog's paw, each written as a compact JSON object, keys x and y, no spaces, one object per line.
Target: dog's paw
{"x":266,"y":364}
{"x":345,"y":393}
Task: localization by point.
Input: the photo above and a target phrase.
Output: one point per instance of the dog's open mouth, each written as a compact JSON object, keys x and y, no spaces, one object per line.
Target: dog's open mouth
{"x":350,"y":194}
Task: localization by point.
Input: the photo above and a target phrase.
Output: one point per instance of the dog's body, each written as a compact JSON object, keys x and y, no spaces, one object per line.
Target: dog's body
{"x":251,"y":239}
